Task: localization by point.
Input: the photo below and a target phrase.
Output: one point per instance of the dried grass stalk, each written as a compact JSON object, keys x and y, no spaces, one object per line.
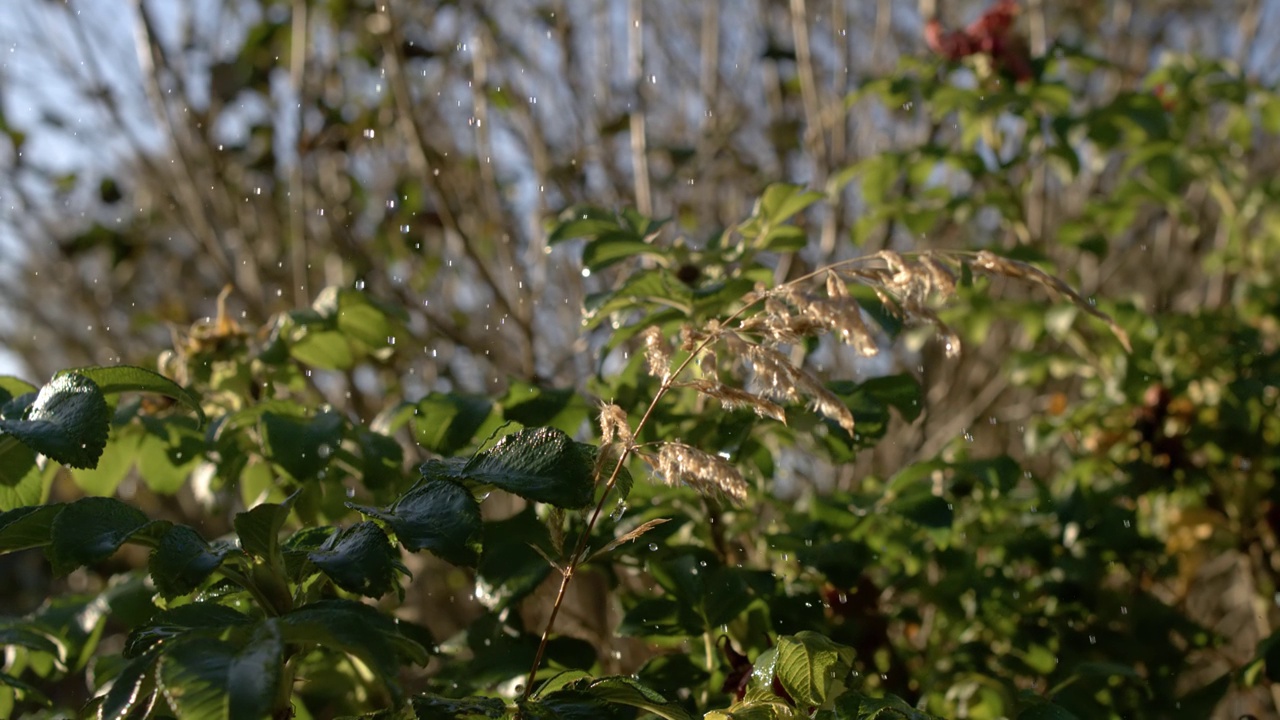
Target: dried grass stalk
{"x":701,"y":471}
{"x":775,"y":377}
{"x":732,"y":398}
{"x":657,"y":354}
{"x":942,"y":280}
{"x":993,"y":264}
{"x":614,"y":425}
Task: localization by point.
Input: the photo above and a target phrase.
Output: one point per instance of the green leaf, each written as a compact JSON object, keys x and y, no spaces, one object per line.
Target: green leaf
{"x":27,"y":527}
{"x":780,"y":201}
{"x":68,"y":422}
{"x":323,"y":349}
{"x":132,"y":690}
{"x":924,"y":508}
{"x":301,"y":447}
{"x":1046,"y":711}
{"x":854,"y":705}
{"x":612,"y":248}
{"x":810,"y":666}
{"x":359,"y":559}
{"x":20,"y":636}
{"x":20,"y":476}
{"x":704,"y":587}
{"x":356,"y":629}
{"x":381,"y":460}
{"x":512,"y":568}
{"x":193,"y":677}
{"x":259,"y":528}
{"x":434,"y":707}
{"x":440,"y":516}
{"x":127,"y":378}
{"x":112,"y":468}
{"x":206,"y":618}
{"x":445,"y":423}
{"x":584,"y":222}
{"x":183,"y":560}
{"x":12,"y":387}
{"x":168,"y":452}
{"x":23,"y":691}
{"x":93,"y":528}
{"x":618,"y":690}
{"x":540,"y":464}
{"x":255,"y":672}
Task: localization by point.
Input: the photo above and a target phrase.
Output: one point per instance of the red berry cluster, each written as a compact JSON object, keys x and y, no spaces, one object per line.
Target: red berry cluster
{"x":992,"y":35}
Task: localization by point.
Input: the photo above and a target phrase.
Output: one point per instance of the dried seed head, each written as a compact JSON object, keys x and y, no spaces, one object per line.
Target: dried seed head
{"x":732,"y":398}
{"x":614,"y":425}
{"x":941,"y":280}
{"x":657,"y":354}
{"x":993,"y":264}
{"x":701,"y":471}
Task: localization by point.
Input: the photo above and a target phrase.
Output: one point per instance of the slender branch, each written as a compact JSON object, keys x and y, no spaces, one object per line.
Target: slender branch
{"x":297,"y":190}
{"x":635,"y":76}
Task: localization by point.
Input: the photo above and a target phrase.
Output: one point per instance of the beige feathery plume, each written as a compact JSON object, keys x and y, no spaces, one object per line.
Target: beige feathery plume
{"x":614,"y":425}
{"x":776,"y":378}
{"x":941,"y":279}
{"x":657,"y":354}
{"x":732,"y":398}
{"x":702,"y":471}
{"x":993,"y":264}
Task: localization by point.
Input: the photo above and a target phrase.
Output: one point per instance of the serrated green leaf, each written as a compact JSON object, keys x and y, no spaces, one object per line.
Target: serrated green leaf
{"x":512,"y":568}
{"x":259,"y":527}
{"x":810,"y":666}
{"x":68,"y":422}
{"x":193,"y":674}
{"x":127,"y":378}
{"x":854,"y":705}
{"x":440,"y":516}
{"x":91,"y":529}
{"x":27,"y":527}
{"x":132,"y":691}
{"x":435,"y":707}
{"x":445,"y":423}
{"x":302,"y":447}
{"x":540,"y":464}
{"x":381,"y":460}
{"x":359,"y":559}
{"x":206,"y":618}
{"x":183,"y":560}
{"x":618,"y":690}
{"x":20,"y":481}
{"x":356,"y":629}
{"x":253,"y":677}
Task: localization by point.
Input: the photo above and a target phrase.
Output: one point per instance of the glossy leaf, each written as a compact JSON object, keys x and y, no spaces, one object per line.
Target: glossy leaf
{"x":355,"y":628}
{"x":540,"y":464}
{"x":132,"y":692}
{"x":810,"y":666}
{"x":91,"y":529}
{"x":183,"y":560}
{"x":440,"y":516}
{"x":259,"y":527}
{"x":435,"y":707}
{"x":205,"y":618}
{"x":68,"y":422}
{"x":445,"y":423}
{"x":302,"y":447}
{"x":127,"y":378}
{"x":27,"y":527}
{"x":359,"y":559}
{"x":20,"y":483}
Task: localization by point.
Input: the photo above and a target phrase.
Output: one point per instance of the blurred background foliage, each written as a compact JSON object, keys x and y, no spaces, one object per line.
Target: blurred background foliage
{"x":1121,"y":507}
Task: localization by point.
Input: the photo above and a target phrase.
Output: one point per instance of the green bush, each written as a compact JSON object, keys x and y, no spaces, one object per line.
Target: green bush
{"x":954,"y":586}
